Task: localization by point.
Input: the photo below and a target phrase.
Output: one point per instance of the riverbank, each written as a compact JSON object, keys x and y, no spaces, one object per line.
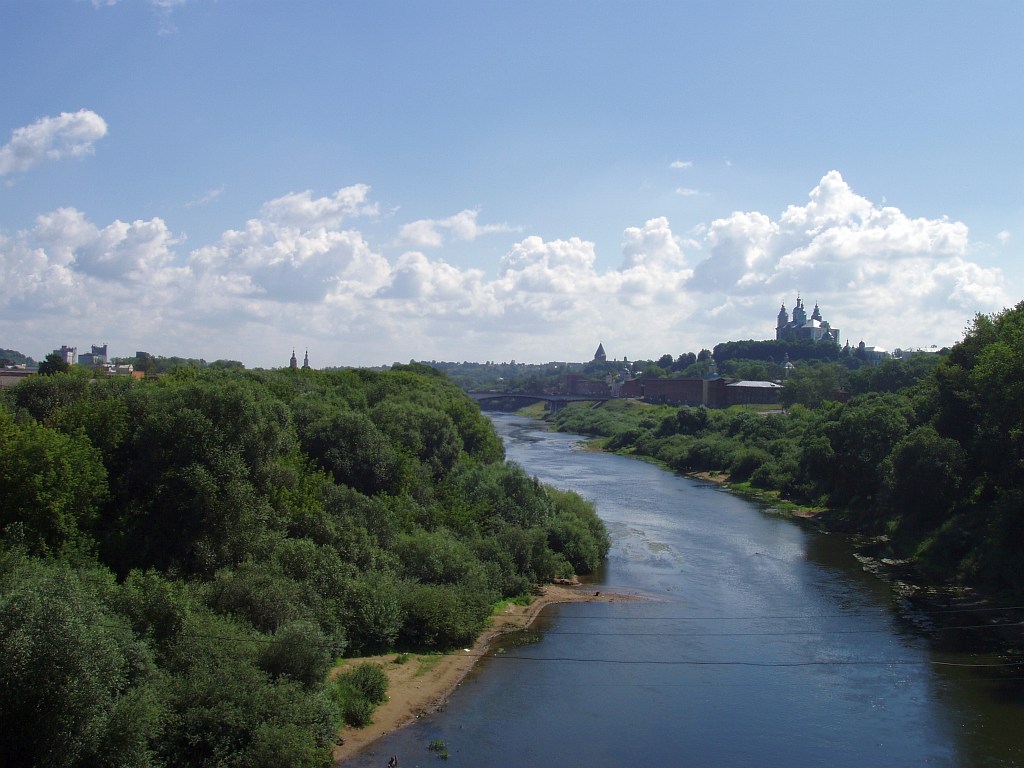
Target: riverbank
{"x":420,"y":684}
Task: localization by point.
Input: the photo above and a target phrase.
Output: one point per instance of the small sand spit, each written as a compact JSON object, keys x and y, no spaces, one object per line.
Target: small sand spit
{"x":422,"y":683}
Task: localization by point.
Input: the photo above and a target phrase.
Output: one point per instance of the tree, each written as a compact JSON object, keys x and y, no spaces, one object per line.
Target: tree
{"x":926,"y":475}
{"x":351,"y":447}
{"x":53,"y":363}
{"x":810,"y":386}
{"x":684,"y":361}
{"x":862,"y":435}
{"x":51,"y":484}
{"x":74,"y":681}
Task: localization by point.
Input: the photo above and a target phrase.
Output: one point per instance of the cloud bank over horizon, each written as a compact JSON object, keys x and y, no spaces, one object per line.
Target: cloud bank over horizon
{"x":302,"y":273}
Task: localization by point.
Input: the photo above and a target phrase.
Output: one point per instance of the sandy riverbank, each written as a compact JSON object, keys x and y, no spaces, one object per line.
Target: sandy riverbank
{"x":422,"y":683}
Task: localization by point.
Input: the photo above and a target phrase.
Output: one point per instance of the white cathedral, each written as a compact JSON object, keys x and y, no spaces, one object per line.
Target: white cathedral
{"x":802,"y":327}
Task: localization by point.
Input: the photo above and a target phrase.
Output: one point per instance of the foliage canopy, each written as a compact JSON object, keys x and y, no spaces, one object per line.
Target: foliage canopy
{"x":181,"y":560}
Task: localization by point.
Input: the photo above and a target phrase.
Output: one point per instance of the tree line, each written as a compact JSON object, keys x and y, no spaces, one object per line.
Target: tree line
{"x":927,"y":452}
{"x":182,"y":560}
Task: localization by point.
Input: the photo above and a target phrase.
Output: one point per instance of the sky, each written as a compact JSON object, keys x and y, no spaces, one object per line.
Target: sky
{"x":380,"y":182}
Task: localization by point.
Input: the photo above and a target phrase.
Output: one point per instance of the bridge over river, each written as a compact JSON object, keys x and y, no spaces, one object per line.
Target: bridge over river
{"x":554,"y":402}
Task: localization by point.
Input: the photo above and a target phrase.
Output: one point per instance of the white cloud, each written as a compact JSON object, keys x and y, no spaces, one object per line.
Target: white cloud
{"x":680,"y":165}
{"x":207,"y":197}
{"x":1003,"y":236}
{"x":162,"y":4}
{"x":428,"y":233}
{"x":423,"y":233}
{"x":877,"y":274}
{"x":70,"y":134}
{"x":300,"y":209}
{"x":299,"y":274}
{"x":687,"y":191}
{"x":135,"y":252}
{"x":653,"y":244}
{"x":283,"y":264}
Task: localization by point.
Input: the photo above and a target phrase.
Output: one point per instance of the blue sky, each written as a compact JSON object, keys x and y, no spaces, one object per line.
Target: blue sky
{"x":390,"y":181}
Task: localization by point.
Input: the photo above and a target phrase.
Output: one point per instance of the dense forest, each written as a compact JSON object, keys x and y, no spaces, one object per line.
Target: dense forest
{"x":182,"y":560}
{"x":927,"y":454}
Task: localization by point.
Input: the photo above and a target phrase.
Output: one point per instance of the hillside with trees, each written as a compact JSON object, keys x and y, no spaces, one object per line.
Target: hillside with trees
{"x":183,"y":559}
{"x":927,"y":454}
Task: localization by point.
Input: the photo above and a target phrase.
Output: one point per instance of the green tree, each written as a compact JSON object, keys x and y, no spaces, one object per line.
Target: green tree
{"x":53,"y":363}
{"x":926,"y":477}
{"x":351,"y":447}
{"x":51,"y":484}
{"x":810,"y":386}
{"x":299,"y":651}
{"x":74,"y":681}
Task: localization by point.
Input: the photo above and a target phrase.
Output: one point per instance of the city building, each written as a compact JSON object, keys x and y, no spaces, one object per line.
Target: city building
{"x":98,"y":356}
{"x":67,"y":354}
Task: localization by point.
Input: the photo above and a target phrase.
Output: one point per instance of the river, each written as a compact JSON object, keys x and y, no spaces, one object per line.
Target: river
{"x":763,"y":645}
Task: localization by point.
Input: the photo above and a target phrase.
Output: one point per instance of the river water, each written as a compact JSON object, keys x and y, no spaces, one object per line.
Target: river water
{"x":763,"y":645}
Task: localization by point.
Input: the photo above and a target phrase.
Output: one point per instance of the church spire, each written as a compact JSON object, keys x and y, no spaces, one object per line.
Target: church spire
{"x":783,"y":316}
{"x":294,"y":362}
{"x":305,"y":361}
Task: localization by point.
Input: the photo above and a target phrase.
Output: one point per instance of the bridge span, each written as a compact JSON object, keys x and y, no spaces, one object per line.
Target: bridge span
{"x":554,"y":402}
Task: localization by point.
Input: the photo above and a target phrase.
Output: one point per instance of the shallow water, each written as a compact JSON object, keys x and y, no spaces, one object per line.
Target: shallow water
{"x":765,"y":645}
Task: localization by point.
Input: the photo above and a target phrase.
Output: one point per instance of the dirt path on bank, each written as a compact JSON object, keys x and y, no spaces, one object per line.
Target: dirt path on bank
{"x":421,"y":684}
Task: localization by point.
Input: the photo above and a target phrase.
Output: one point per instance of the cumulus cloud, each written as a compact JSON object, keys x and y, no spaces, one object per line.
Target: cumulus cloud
{"x":429,"y":233}
{"x":885,"y":276}
{"x":303,"y":211}
{"x":67,"y":276}
{"x":69,"y":134}
{"x":135,"y":252}
{"x":300,"y":273}
{"x":283,"y":264}
{"x":681,"y":165}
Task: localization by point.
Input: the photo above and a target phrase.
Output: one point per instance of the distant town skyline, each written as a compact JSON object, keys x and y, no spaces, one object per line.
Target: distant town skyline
{"x":465,"y":181}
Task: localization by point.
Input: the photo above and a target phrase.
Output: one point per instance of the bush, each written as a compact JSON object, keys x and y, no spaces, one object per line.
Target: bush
{"x":357,"y":693}
{"x":746,"y":462}
{"x":708,"y":453}
{"x":445,"y":616}
{"x":356,"y":710}
{"x":299,"y":651}
{"x":774,"y":474}
{"x":370,"y":680}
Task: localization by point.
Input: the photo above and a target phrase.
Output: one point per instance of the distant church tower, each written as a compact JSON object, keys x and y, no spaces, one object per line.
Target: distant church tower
{"x":294,"y":363}
{"x":305,"y":362}
{"x":600,"y":355}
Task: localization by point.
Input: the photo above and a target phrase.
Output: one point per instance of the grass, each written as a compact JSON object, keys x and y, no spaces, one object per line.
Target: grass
{"x":439,"y":747}
{"x":774,"y":500}
{"x":427,"y":663}
{"x":533,"y":411}
{"x":501,"y":605}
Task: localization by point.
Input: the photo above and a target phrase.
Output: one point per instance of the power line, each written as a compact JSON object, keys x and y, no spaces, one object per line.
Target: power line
{"x":785,"y":617}
{"x":768,"y":664}
{"x":790,"y":633}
